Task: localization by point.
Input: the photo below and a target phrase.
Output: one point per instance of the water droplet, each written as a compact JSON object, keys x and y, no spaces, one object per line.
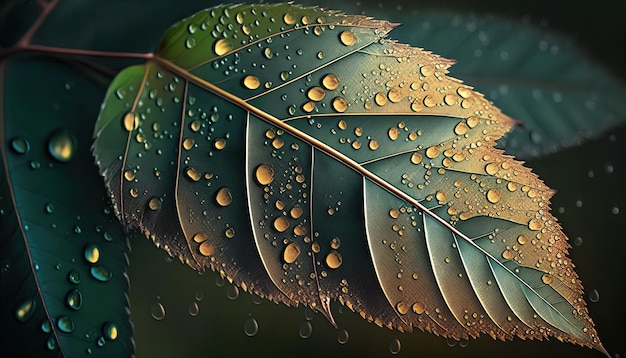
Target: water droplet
{"x":535,"y":224}
{"x":110,"y":331}
{"x":51,"y":343}
{"x":264,"y":174}
{"x":232,"y":292}
{"x":333,"y":260}
{"x":251,"y":82}
{"x":49,"y":208}
{"x":418,"y":308}
{"x":348,"y":38}
{"x":74,"y":299}
{"x":493,"y":195}
{"x":522,"y":239}
{"x":291,"y":253}
{"x":546,"y":279}
{"x":20,"y":145}
{"x":130,"y":121}
{"x":101,"y":273}
{"x":578,"y":241}
{"x":157,"y":311}
{"x":206,"y":248}
{"x":594,"y":295}
{"x":194,"y":309}
{"x":219,"y":144}
{"x":193,"y":174}
{"x":330,"y":82}
{"x":250,"y":327}
{"x":343,"y":336}
{"x":155,"y":203}
{"x":289,"y":18}
{"x":427,"y":70}
{"x":222,"y":47}
{"x":429,"y":101}
{"x":62,"y":146}
{"x":190,"y":42}
{"x":65,"y":324}
{"x":296,"y":212}
{"x":199,"y":295}
{"x":394,"y":95}
{"x":230,"y":233}
{"x":316,"y":94}
{"x":432,"y":152}
{"x":339,"y":104}
{"x":188,"y":143}
{"x":402,"y":308}
{"x":394,"y":346}
{"x":74,"y":277}
{"x":281,"y":224}
{"x":46,"y":327}
{"x":25,"y":310}
{"x":416,"y":158}
{"x":507,"y":254}
{"x":306,"y":329}
{"x":92,"y":253}
{"x":223,"y":197}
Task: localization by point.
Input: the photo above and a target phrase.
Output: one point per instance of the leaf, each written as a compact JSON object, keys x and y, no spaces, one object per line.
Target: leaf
{"x":63,"y":254}
{"x":306,"y":158}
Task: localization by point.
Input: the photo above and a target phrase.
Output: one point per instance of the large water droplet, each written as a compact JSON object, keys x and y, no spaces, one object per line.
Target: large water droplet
{"x":194,"y":309}
{"x":333,"y":260}
{"x":130,"y":121}
{"x":74,"y":299}
{"x":110,"y":331}
{"x":65,"y":324}
{"x":223,"y":197}
{"x":251,"y":82}
{"x":62,"y":145}
{"x":348,"y":38}
{"x":250,"y":327}
{"x":343,"y":336}
{"x":306,"y":329}
{"x":264,"y":174}
{"x":101,"y":273}
{"x":157,"y":311}
{"x":25,"y":310}
{"x":155,"y":203}
{"x":222,"y":47}
{"x":291,"y":253}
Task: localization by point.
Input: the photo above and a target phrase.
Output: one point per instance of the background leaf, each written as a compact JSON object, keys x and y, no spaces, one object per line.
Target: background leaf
{"x":598,"y":208}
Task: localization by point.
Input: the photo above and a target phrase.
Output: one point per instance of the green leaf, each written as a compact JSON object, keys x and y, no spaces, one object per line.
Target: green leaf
{"x":306,"y":158}
{"x":63,"y":254}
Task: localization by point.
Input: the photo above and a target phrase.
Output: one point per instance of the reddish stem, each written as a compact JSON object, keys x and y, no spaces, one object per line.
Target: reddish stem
{"x":46,"y":8}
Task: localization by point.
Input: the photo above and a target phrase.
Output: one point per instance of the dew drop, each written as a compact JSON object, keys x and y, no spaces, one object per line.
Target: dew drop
{"x":232,"y":292}
{"x":416,"y":158}
{"x":493,"y":195}
{"x":296,"y":212}
{"x":223,"y":197}
{"x":46,"y":327}
{"x":380,"y":99}
{"x":546,"y":279}
{"x":74,"y":277}
{"x":188,"y":143}
{"x":432,"y":152}
{"x":343,"y":336}
{"x":110,"y":331}
{"x":373,"y":144}
{"x":418,"y":308}
{"x":535,"y":224}
{"x":316,"y":94}
{"x":291,"y":253}
{"x":130,"y":121}
{"x":594,"y":295}
{"x":194,"y":309}
{"x":339,"y":104}
{"x":155,"y":203}
{"x":25,"y":310}
{"x":522,"y":239}
{"x":206,"y":248}
{"x":394,"y":95}
{"x":461,"y":128}
{"x":62,"y":146}
{"x":190,"y":42}
{"x":101,"y":273}
{"x":92,"y":253}
{"x":65,"y":324}
{"x":222,"y":47}
{"x":251,"y":82}
{"x":250,"y":327}
{"x":74,"y":299}
{"x":289,"y":18}
{"x":333,"y":260}
{"x":193,"y":174}
{"x":219,"y":144}
{"x":347,"y":38}
{"x":281,"y":224}
{"x":402,"y":308}
{"x":51,"y":343}
{"x":264,"y":174}
{"x":394,"y":346}
{"x":393,"y":133}
{"x":306,"y":330}
{"x":330,"y":82}
{"x":20,"y":145}
{"x":157,"y":311}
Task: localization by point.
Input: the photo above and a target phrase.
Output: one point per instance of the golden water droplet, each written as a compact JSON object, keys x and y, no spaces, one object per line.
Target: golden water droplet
{"x":239,"y":18}
{"x":206,"y":249}
{"x":200,"y":237}
{"x":339,"y":104}
{"x":333,"y":260}
{"x":289,"y":18}
{"x":223,"y":197}
{"x":441,"y":196}
{"x":432,"y":152}
{"x":493,"y":195}
{"x":230,"y":233}
{"x":472,"y":121}
{"x":417,"y":106}
{"x":264,"y":174}
{"x":464,"y":92}
{"x":131,"y":121}
{"x":299,"y":230}
{"x":394,"y":213}
{"x":535,"y":224}
{"x":192,"y":174}
{"x":278,"y":143}
{"x":511,"y":186}
{"x":281,"y":224}
{"x":335,"y":243}
{"x":491,"y":168}
{"x":356,"y":144}
{"x":464,"y":215}
{"x":291,"y":253}
{"x":348,"y":38}
{"x":393,"y":133}
{"x":279,"y":205}
{"x":330,"y":82}
{"x":251,"y":82}
{"x":461,"y":128}
{"x":269,"y":134}
{"x":219,"y":143}
{"x":373,"y":144}
{"x":194,"y":125}
{"x":342,"y":125}
{"x":546,"y":279}
{"x":188,"y":143}
{"x":416,"y":158}
{"x":507,"y":254}
{"x":419,"y":308}
{"x":450,"y":99}
{"x":430,"y":101}
{"x":522,"y":239}
{"x":380,"y":99}
{"x":394,"y":95}
{"x":427,"y":70}
{"x":154,"y":204}
{"x":129,"y":175}
{"x":296,"y":212}
{"x":308,"y":107}
{"x":222,"y":47}
{"x":315,"y":247}
{"x":134,"y":192}
{"x":402,"y":307}
{"x":316,"y":93}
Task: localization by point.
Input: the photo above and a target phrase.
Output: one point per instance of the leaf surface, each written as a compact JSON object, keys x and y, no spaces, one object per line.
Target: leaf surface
{"x":307,"y":158}
{"x":63,"y":254}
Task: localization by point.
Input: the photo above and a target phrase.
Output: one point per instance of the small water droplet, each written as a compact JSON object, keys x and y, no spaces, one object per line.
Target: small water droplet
{"x":394,"y":346}
{"x":250,"y":327}
{"x":251,"y":82}
{"x":74,"y":299}
{"x":92,"y":253}
{"x":194,"y":309}
{"x":25,"y":310}
{"x":110,"y":331}
{"x":594,"y":295}
{"x":130,"y":121}
{"x":51,"y":343}
{"x":155,"y":203}
{"x":157,"y":311}
{"x":20,"y":145}
{"x":343,"y":336}
{"x":46,"y":326}
{"x":65,"y":324}
{"x":306,"y":329}
{"x":101,"y":273}
{"x":232,"y":292}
